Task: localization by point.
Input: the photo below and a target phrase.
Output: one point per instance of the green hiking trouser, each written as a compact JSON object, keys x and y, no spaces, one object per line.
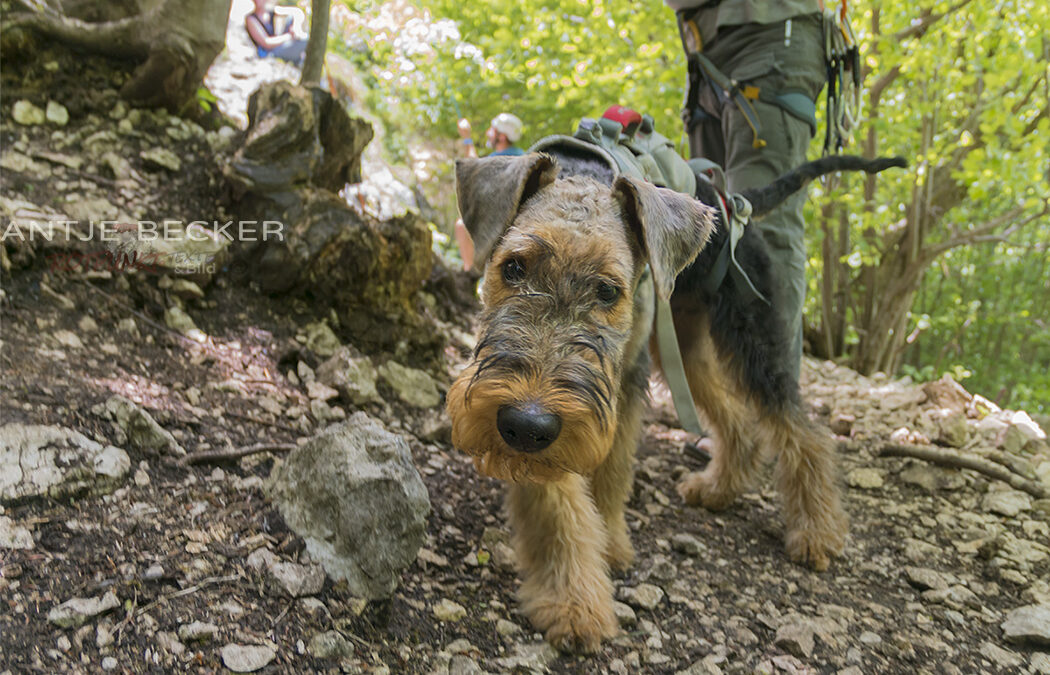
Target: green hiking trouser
{"x":756,"y":54}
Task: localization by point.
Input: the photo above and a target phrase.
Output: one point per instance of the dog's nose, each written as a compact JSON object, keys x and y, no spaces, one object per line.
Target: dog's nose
{"x":527,"y":428}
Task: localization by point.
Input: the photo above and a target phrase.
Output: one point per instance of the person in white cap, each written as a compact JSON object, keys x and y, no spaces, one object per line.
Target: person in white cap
{"x":503,"y":132}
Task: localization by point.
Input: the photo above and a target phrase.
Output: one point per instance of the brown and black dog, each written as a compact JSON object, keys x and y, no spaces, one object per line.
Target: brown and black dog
{"x":553,"y":399}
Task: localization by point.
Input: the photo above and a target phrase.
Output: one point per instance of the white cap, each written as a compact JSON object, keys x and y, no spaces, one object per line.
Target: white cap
{"x":508,"y":125}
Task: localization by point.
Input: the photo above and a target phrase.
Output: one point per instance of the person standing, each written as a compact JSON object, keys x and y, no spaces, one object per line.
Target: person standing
{"x":756,"y":69}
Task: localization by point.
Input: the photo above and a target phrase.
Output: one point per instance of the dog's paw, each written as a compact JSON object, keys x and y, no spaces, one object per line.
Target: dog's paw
{"x":702,"y":488}
{"x":619,"y":553}
{"x":814,"y":548}
{"x":571,"y":627}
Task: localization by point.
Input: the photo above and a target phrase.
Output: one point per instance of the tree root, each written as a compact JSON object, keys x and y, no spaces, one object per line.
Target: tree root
{"x":966,"y":461}
{"x":218,"y":456}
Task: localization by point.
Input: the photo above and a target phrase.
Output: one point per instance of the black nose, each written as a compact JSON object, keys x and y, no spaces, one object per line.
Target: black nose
{"x":527,"y":428}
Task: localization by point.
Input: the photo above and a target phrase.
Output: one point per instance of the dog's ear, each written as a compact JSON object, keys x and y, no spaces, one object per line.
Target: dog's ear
{"x":492,"y":189}
{"x":670,"y":227}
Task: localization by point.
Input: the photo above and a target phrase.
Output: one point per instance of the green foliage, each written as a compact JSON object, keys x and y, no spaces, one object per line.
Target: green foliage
{"x":965,"y":102}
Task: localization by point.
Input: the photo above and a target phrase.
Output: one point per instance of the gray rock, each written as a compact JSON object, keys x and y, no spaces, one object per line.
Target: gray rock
{"x":531,"y":658}
{"x":295,"y":580}
{"x":447,"y":610}
{"x":353,"y":376}
{"x":1004,"y":659}
{"x":330,"y":645}
{"x":463,"y":665}
{"x":952,"y":429}
{"x":925,"y":579}
{"x":932,"y":478}
{"x":866,"y":478}
{"x":137,"y":428}
{"x":1040,"y":663}
{"x":179,"y":321}
{"x":795,"y":636}
{"x":321,"y":339}
{"x":686,"y":543}
{"x":13,"y":535}
{"x":1028,"y":625}
{"x":78,"y":611}
{"x":57,"y":114}
{"x":508,"y":628}
{"x":412,"y":386}
{"x":354,"y":495}
{"x":27,"y":114}
{"x":247,"y":658}
{"x":198,"y":631}
{"x":110,"y":663}
{"x":161,"y":158}
{"x":625,"y":614}
{"x":1007,"y":503}
{"x":645,"y":596}
{"x":38,"y":460}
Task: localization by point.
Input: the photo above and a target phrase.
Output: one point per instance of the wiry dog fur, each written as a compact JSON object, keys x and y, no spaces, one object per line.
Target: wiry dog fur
{"x":552,"y":401}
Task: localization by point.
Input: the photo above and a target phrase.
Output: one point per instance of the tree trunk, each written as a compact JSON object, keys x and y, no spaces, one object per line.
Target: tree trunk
{"x":314,"y":63}
{"x":175,"y":41}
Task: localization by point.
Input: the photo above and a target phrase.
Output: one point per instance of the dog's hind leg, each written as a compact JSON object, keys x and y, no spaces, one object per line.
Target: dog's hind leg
{"x":724,"y":404}
{"x":560,"y":539}
{"x":807,"y":481}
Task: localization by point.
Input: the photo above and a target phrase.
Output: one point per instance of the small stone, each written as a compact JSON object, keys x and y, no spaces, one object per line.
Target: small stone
{"x":330,"y":645}
{"x":78,"y":611}
{"x":688,"y":544}
{"x":842,"y":423}
{"x":625,"y":614}
{"x":1007,"y":503}
{"x":27,"y":114}
{"x":161,"y":158}
{"x":109,"y":663}
{"x":1004,"y":659}
{"x":178,"y":320}
{"x":57,"y":114}
{"x":198,"y":631}
{"x":14,"y":536}
{"x":795,"y":637}
{"x":320,"y":392}
{"x":645,"y":596}
{"x":870,"y":638}
{"x":1040,"y":663}
{"x":507,"y":628}
{"x":247,"y":658}
{"x":866,"y":478}
{"x":447,"y":610}
{"x":68,"y":339}
{"x":463,"y":665}
{"x":413,"y":386}
{"x":1030,"y":624}
{"x":296,"y":580}
{"x":321,"y":340}
{"x":925,"y":579}
{"x":87,"y":324}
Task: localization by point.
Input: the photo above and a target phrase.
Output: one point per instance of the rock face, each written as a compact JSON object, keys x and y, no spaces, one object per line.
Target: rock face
{"x":353,"y":494}
{"x":39,"y":461}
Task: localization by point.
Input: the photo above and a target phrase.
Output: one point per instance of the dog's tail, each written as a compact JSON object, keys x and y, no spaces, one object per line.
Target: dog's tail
{"x":765,"y":199}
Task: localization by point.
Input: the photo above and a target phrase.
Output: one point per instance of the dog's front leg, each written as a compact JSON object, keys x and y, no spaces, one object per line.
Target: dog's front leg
{"x":559,"y":538}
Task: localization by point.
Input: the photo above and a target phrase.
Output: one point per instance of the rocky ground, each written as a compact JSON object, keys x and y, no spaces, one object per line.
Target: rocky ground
{"x":118,"y":554}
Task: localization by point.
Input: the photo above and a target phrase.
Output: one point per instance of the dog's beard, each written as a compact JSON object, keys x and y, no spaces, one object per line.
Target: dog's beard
{"x":473,"y":404}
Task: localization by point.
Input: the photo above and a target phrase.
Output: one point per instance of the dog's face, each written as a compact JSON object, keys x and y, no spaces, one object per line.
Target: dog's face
{"x":563,"y":259}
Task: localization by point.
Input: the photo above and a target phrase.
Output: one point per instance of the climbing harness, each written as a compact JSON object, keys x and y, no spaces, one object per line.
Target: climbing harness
{"x":842,"y":59}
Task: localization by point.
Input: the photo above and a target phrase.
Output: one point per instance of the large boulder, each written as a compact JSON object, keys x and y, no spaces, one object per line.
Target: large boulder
{"x":355,"y":497}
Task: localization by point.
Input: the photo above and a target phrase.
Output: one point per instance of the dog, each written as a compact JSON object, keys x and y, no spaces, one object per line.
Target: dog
{"x":553,"y":399}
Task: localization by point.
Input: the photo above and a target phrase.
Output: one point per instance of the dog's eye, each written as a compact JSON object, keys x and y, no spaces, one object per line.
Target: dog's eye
{"x":607,"y":293}
{"x":513,"y":271}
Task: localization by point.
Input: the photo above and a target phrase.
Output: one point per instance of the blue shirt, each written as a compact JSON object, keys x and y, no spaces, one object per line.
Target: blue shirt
{"x":512,"y":150}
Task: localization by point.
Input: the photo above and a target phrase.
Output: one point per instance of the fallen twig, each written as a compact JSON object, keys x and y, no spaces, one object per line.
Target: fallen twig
{"x":966,"y":461}
{"x":215,"y":456}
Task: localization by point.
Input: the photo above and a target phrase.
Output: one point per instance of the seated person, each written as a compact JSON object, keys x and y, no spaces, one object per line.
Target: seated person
{"x":277,"y":31}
